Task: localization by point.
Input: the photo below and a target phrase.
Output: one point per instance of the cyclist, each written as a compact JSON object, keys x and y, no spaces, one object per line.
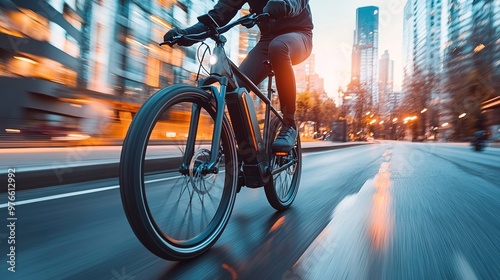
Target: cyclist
{"x":285,"y":40}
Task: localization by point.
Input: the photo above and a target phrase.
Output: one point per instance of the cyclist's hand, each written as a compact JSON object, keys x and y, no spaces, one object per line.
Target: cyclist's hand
{"x":276,"y":9}
{"x":171,"y":35}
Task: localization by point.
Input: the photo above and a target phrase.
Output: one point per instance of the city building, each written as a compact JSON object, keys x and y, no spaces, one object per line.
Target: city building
{"x":306,"y":77}
{"x":485,"y":40}
{"x":426,"y":36}
{"x":472,"y":56}
{"x":423,"y":60}
{"x":248,"y":37}
{"x":386,"y":84}
{"x":395,"y":99}
{"x":454,"y":51}
{"x":422,"y":41}
{"x":40,"y":63}
{"x":491,"y":110}
{"x":458,"y":51}
{"x":365,"y":51}
{"x":407,"y":45}
{"x":83,"y":67}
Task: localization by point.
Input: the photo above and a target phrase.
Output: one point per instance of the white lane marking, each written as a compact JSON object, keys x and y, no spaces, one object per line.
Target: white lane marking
{"x":58,"y":196}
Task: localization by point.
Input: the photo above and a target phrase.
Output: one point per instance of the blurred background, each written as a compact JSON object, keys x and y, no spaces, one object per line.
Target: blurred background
{"x":76,"y":71}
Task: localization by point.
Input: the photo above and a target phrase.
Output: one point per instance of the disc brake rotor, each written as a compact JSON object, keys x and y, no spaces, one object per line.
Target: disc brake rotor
{"x":201,"y":183}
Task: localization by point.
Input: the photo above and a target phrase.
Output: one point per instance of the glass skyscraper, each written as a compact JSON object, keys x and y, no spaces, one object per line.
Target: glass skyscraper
{"x":365,"y":51}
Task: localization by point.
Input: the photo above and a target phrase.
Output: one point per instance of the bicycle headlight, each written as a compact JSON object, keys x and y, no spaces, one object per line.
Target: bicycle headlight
{"x":212,"y":60}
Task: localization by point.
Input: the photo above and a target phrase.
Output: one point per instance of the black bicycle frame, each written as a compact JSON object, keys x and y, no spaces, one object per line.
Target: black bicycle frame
{"x":223,"y":73}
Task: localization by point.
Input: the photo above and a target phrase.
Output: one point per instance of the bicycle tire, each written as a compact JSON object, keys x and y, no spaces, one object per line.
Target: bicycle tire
{"x":161,"y":231}
{"x":282,"y":188}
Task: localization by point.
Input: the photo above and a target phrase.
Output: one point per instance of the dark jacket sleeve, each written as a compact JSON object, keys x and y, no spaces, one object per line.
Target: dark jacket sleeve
{"x":225,"y":10}
{"x":295,"y":7}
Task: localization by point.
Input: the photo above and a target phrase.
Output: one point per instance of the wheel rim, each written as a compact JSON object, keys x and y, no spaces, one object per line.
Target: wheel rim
{"x":186,"y":209}
{"x":284,"y":181}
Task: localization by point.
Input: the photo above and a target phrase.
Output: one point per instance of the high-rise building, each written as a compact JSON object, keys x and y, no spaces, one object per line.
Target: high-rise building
{"x":423,"y":59}
{"x":458,"y":51}
{"x":455,"y":49}
{"x":395,"y":99}
{"x":407,"y":45}
{"x":473,"y":45}
{"x":422,"y":19}
{"x":386,"y":83}
{"x":485,"y":41}
{"x":57,"y":55}
{"x":248,"y":37}
{"x":123,"y":55}
{"x":496,"y":46}
{"x":40,"y":59}
{"x":365,"y":51}
{"x":472,"y":55}
{"x":306,"y":77}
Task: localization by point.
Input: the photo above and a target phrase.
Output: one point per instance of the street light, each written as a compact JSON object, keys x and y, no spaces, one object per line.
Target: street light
{"x":479,"y":48}
{"x":460,"y":124}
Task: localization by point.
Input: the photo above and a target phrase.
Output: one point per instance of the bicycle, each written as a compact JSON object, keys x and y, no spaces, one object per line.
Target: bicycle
{"x":217,"y":155}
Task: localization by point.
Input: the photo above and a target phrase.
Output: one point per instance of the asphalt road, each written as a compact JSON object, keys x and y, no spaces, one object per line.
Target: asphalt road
{"x":392,"y":210}
{"x":50,"y":166}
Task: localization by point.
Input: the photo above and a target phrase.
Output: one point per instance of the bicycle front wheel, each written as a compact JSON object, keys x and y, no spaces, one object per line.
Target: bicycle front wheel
{"x":175,"y":208}
{"x":282,"y":189}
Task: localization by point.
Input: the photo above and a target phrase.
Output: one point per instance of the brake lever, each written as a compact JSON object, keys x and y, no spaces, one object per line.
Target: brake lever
{"x":263,"y":15}
{"x":173,"y":42}
{"x":166,"y":43}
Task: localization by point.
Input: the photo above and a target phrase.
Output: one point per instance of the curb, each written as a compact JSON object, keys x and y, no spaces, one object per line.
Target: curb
{"x":68,"y":175}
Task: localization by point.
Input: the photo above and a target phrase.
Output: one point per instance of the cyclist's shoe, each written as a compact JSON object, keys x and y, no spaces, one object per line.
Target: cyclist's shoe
{"x":286,"y":139}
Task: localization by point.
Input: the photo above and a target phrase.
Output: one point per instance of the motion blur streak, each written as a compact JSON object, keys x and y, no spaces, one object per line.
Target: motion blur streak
{"x":358,"y":235}
{"x":52,"y":197}
{"x":231,"y":270}
{"x":464,"y":268}
{"x":381,"y":219}
{"x":277,"y":224}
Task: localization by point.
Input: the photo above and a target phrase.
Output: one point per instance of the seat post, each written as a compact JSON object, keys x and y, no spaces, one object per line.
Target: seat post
{"x":270,"y":92}
{"x":270,"y":75}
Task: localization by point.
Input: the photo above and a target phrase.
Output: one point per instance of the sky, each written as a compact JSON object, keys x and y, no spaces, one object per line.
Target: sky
{"x":334,"y":24}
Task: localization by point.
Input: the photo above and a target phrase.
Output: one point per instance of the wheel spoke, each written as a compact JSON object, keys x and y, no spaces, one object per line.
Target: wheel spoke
{"x":283,"y":187}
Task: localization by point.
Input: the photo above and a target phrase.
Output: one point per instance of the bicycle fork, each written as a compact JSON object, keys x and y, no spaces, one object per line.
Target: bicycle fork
{"x":212,"y":165}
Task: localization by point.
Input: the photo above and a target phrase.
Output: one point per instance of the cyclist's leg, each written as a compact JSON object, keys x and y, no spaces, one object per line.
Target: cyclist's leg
{"x":253,"y":65}
{"x":284,"y":51}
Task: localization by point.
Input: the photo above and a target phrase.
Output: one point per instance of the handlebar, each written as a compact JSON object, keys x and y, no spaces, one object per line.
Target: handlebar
{"x":247,"y":21}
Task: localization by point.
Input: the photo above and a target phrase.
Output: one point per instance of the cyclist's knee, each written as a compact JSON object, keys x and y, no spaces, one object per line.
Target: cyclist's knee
{"x":278,"y":50}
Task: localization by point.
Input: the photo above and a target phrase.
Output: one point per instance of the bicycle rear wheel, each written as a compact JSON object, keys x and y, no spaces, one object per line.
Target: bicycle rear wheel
{"x":282,"y":189}
{"x":177,"y":210}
